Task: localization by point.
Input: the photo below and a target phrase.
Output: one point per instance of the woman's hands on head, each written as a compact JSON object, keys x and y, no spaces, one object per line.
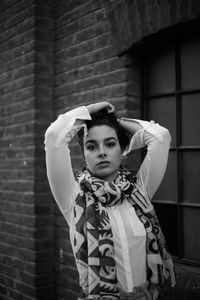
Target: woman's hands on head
{"x":92,"y":108}
{"x":129,"y":125}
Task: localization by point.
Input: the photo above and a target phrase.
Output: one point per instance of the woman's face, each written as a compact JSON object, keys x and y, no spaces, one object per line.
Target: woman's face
{"x":102,"y":152}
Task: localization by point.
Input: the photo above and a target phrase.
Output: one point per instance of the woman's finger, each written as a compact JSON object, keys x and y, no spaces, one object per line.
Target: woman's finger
{"x":110,"y":108}
{"x":100,"y":105}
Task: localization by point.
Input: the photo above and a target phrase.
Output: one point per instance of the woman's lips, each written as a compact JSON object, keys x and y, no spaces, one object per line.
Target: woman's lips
{"x":103,"y":163}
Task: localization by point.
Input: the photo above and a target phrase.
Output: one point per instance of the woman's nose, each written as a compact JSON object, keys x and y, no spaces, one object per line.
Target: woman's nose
{"x":102,"y":152}
{"x":102,"y":155}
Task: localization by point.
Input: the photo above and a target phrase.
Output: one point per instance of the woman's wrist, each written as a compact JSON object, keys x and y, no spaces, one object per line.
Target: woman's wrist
{"x":95,"y":107}
{"x":131,"y":125}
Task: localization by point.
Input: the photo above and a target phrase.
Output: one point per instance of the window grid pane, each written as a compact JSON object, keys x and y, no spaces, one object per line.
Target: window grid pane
{"x":184,"y":126}
{"x":191,"y":225}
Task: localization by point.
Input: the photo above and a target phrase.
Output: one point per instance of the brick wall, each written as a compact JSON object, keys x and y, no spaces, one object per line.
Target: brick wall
{"x":26,"y":219}
{"x":136,"y":20}
{"x":44,"y":214}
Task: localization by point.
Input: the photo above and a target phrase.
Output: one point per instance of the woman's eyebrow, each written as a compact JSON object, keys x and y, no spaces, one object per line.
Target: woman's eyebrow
{"x":111,"y":138}
{"x":96,"y":141}
{"x":90,"y":141}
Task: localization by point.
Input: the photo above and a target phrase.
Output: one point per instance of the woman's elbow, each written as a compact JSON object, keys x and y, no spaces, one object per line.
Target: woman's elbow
{"x":166,"y":135}
{"x":49,"y":137}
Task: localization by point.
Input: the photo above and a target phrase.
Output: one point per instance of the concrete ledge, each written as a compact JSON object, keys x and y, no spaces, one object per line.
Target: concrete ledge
{"x":188,"y":284}
{"x":188,"y":277}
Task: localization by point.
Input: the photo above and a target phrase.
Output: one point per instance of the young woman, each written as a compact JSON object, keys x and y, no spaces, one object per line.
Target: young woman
{"x":117,"y":242}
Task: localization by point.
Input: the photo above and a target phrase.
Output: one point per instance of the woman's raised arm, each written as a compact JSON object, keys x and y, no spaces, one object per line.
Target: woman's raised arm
{"x":58,"y":160}
{"x":157,"y":139}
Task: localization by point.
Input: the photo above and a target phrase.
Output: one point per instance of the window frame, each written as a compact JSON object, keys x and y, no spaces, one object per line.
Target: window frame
{"x":178,"y":148}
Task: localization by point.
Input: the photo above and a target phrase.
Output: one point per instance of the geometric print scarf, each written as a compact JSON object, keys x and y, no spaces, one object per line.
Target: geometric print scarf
{"x":93,"y":238}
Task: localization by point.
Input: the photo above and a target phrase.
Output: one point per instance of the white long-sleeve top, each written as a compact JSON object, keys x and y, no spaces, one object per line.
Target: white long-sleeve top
{"x":129,"y":234}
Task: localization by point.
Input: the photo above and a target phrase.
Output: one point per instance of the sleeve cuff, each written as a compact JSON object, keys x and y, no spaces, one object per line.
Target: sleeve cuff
{"x":138,"y":141}
{"x":70,"y":129}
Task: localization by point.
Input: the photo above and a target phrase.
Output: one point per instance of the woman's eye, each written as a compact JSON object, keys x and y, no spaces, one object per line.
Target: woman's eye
{"x":90,"y":147}
{"x":111,"y":144}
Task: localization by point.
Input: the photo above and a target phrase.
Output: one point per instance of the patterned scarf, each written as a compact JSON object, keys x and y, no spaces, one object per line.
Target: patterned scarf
{"x":93,"y":238}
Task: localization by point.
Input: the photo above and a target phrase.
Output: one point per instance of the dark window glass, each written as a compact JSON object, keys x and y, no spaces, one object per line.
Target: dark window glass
{"x":168,"y":188}
{"x":190,"y":62}
{"x":165,"y":213}
{"x":163,"y":111}
{"x":171,"y":94}
{"x":190,"y":115}
{"x":159,"y":81}
{"x":191,"y":225}
{"x":191,"y":176}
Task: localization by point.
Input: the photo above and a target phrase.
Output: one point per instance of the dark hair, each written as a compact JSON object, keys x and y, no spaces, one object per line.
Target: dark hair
{"x":102,"y":117}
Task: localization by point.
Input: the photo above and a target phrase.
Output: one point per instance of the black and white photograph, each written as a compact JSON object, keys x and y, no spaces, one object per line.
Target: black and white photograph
{"x":99,"y":149}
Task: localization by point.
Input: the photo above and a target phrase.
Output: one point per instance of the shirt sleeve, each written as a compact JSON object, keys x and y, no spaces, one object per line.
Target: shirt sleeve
{"x":157,"y":139}
{"x":58,"y":161}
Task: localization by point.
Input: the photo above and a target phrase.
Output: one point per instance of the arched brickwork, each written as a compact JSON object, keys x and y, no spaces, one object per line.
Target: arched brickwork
{"x":132,"y":21}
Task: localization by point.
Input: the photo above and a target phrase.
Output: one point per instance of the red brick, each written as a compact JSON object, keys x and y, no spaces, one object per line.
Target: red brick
{"x":173,"y":11}
{"x":153,"y":15}
{"x":19,"y":95}
{"x":15,"y":52}
{"x":194,"y":8}
{"x":16,"y":295}
{"x":163,"y":14}
{"x":183,"y":10}
{"x":20,"y":253}
{"x":11,"y":8}
{"x":26,"y":289}
{"x":18,"y":40}
{"x":18,"y":28}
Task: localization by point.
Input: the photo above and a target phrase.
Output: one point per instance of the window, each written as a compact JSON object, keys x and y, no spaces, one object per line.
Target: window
{"x":171,"y":97}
